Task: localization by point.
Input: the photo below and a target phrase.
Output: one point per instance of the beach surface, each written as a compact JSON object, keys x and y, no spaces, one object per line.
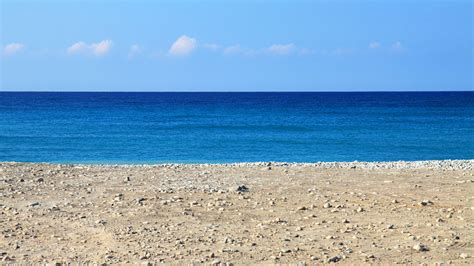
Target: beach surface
{"x":246,"y":213}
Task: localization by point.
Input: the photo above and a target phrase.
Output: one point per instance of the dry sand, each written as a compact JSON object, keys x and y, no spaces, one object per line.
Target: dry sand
{"x":349,"y":213}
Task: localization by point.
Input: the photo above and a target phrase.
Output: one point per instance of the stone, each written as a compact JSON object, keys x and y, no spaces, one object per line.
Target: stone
{"x":334,"y":259}
{"x":327,"y":205}
{"x":242,"y":188}
{"x":420,"y":247}
{"x":285,"y":250}
{"x":100,"y":221}
{"x":425,"y":203}
{"x":140,"y":200}
{"x":34,"y":204}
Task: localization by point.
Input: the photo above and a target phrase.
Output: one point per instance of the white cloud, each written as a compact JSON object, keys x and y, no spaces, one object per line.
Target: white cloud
{"x":281,"y":49}
{"x":233,"y":49}
{"x":374,"y":45}
{"x":337,"y":52}
{"x":13,"y":48}
{"x":275,"y":49}
{"x":212,"y":46}
{"x":101,"y":48}
{"x":134,"y":50}
{"x":98,"y":49}
{"x":184,"y":45}
{"x":78,"y":47}
{"x":237,"y":49}
{"x":306,"y":51}
{"x":397,"y":46}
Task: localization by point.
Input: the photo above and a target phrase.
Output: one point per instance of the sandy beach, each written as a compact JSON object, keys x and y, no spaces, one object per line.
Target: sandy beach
{"x":346,"y":213}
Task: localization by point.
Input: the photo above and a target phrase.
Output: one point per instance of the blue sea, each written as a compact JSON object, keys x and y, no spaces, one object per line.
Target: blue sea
{"x":103,"y":127}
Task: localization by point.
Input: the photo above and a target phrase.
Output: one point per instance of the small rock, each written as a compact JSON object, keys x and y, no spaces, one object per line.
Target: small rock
{"x":34,"y":204}
{"x":102,"y":222}
{"x":285,"y":250}
{"x":242,"y":188}
{"x":140,"y":201}
{"x":425,"y":203}
{"x":335,"y":259}
{"x":464,"y":256}
{"x":327,"y":205}
{"x":420,"y":247}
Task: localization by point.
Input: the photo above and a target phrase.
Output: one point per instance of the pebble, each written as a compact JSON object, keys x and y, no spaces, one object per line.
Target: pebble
{"x":285,"y":250}
{"x":34,"y":204}
{"x":100,"y":221}
{"x":242,"y":188}
{"x":420,"y":247}
{"x":327,"y":205}
{"x":335,"y":258}
{"x":139,"y":200}
{"x":425,"y":203}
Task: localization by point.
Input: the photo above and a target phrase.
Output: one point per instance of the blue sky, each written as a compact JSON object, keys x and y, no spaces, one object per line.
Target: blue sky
{"x":236,"y":45}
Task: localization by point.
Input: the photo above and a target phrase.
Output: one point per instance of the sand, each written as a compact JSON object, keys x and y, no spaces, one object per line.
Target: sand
{"x":269,"y":213}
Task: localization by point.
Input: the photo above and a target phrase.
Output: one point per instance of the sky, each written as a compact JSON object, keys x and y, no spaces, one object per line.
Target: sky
{"x":243,"y":45}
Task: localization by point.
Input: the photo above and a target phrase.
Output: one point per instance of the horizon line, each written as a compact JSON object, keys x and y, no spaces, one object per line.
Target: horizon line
{"x":337,"y":91}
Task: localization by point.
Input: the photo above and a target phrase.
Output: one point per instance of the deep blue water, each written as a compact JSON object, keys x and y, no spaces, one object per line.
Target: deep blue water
{"x":235,"y":127}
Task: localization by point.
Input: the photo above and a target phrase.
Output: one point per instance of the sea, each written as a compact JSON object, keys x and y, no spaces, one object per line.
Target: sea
{"x":225,"y":127}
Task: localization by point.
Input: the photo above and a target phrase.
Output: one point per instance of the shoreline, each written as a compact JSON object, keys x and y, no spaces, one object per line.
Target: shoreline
{"x":467,"y":164}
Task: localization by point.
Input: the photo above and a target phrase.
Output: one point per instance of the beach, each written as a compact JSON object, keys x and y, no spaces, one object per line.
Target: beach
{"x":246,"y":213}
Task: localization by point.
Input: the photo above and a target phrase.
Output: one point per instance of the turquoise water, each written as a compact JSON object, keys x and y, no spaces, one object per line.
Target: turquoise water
{"x":235,"y":127}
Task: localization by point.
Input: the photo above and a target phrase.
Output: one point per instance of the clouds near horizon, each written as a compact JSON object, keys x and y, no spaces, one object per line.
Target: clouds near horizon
{"x":281,"y":49}
{"x":134,"y":50}
{"x":13,"y":48}
{"x":97,"y":49}
{"x":184,"y":45}
{"x":374,"y":45}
